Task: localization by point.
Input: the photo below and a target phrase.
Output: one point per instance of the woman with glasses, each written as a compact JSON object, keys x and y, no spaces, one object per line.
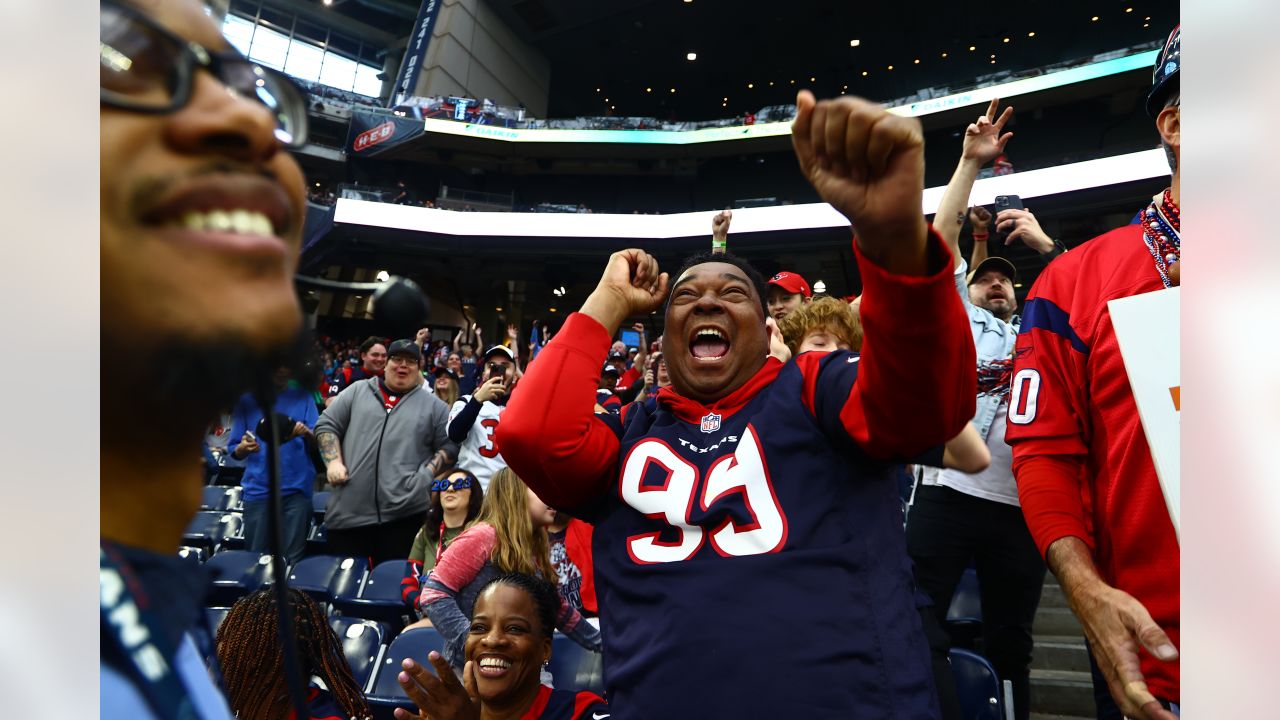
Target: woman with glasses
{"x":509,"y":536}
{"x":455,"y":501}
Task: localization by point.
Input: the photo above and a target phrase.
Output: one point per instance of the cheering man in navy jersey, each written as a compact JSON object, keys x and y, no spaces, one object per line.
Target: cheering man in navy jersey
{"x":748,"y":544}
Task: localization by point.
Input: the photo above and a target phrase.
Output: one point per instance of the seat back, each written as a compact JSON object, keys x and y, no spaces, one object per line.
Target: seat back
{"x":574,"y":667}
{"x":237,"y":573}
{"x":379,"y":597}
{"x":210,"y":529}
{"x":362,"y":644}
{"x":966,"y":602}
{"x":383,"y":583}
{"x":977,"y":686}
{"x":214,"y":616}
{"x":319,"y":501}
{"x":215,"y":497}
{"x":314,"y":575}
{"x":386,"y":692}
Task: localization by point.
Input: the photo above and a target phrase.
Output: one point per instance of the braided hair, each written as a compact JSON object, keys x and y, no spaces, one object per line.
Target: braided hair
{"x":546,"y":599}
{"x":252,"y":657}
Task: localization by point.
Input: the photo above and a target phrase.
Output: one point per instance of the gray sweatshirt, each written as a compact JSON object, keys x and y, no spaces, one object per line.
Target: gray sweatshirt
{"x":386,"y":453}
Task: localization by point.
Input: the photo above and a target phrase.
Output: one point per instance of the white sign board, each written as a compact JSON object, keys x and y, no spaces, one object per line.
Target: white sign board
{"x":1147,"y":330}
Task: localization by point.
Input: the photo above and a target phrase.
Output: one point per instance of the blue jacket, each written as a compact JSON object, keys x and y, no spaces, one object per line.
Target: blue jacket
{"x":297,"y":472}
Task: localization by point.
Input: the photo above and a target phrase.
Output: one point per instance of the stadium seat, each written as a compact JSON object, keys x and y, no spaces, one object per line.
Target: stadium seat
{"x":363,"y":644}
{"x":385,"y":693}
{"x":964,"y":615}
{"x":316,"y":542}
{"x":214,"y":616}
{"x":574,"y":667}
{"x":348,"y":578}
{"x":379,"y":597}
{"x":194,"y":554}
{"x":216,"y":497}
{"x":237,"y":573}
{"x":314,"y":575}
{"x":319,"y":502}
{"x":977,"y":686}
{"x":228,"y":475}
{"x":210,"y":530}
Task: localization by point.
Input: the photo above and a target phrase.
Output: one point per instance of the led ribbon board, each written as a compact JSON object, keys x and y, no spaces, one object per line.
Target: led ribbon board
{"x":1114,"y":170}
{"x":744,"y":132}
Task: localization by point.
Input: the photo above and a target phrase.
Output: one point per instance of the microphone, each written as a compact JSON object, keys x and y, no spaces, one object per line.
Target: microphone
{"x":400,"y":307}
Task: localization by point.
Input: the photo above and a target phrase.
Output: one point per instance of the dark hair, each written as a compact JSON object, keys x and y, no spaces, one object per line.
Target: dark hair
{"x":546,"y":599}
{"x":252,"y":658}
{"x":435,"y":513}
{"x":368,"y":344}
{"x":706,"y":256}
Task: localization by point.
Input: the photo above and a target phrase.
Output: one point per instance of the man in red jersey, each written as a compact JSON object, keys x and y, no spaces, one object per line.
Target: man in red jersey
{"x":752,"y":488}
{"x":1085,"y":476}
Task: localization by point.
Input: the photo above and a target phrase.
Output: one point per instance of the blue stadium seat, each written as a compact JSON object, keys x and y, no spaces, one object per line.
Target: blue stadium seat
{"x":228,"y":475}
{"x":214,"y":616}
{"x":977,"y":686}
{"x":574,"y":667}
{"x":319,"y":502}
{"x":210,"y":530}
{"x":216,"y":497}
{"x":379,"y":597}
{"x":317,"y":544}
{"x":237,"y":573}
{"x":964,"y":615}
{"x":314,"y":575}
{"x":362,"y":643}
{"x":385,"y":694}
{"x":194,"y":554}
{"x":348,"y":579}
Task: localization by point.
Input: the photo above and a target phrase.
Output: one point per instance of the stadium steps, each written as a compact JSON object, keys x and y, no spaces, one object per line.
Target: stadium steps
{"x":1061,"y":686}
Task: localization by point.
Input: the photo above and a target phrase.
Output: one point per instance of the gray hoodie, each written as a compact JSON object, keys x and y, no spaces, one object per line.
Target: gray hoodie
{"x":386,"y":453}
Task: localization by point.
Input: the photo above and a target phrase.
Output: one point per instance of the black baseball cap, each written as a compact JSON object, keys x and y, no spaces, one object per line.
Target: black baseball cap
{"x":445,"y":371}
{"x":610,"y":369}
{"x":405,"y":347}
{"x":615,"y":355}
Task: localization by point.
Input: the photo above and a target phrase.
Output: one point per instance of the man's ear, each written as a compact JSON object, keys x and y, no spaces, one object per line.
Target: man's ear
{"x":1169,"y":125}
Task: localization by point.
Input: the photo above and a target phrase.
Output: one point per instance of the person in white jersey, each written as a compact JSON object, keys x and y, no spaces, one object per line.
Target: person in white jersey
{"x":474,"y":417}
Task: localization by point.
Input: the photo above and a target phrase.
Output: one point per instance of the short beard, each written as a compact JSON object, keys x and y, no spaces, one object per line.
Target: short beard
{"x":1170,"y":156}
{"x":184,"y":382}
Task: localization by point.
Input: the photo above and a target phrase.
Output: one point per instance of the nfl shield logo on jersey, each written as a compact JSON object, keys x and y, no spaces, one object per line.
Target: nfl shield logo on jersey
{"x":710,"y":423}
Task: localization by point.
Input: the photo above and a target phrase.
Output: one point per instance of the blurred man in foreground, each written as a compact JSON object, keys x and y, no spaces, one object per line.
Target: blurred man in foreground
{"x":201,"y":224}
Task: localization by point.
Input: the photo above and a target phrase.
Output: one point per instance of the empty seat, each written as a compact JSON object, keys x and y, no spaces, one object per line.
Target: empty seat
{"x":319,"y":502}
{"x":210,"y":530}
{"x":977,"y":686}
{"x":236,"y":574}
{"x":312,"y":575}
{"x":363,"y":644}
{"x":385,"y":694}
{"x":228,"y":475}
{"x":216,"y":497}
{"x":379,"y":597}
{"x":964,"y":615}
{"x":194,"y":554}
{"x":316,"y":542}
{"x":214,"y":616}
{"x":574,"y":667}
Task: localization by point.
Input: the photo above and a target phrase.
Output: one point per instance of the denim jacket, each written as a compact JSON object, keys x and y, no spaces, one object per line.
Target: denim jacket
{"x":994,"y":340}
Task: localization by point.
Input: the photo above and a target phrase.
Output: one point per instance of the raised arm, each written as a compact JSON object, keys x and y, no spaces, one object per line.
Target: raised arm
{"x":915,"y":385}
{"x":549,"y":433}
{"x":983,"y":141}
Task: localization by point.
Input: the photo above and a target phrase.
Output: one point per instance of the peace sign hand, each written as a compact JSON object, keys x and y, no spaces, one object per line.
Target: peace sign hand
{"x":982,"y":139}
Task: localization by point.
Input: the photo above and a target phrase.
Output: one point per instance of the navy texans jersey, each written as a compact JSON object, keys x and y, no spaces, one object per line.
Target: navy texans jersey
{"x":749,"y":555}
{"x":567,"y":705}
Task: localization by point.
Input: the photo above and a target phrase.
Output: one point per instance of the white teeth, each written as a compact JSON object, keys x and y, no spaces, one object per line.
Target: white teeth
{"x":711,"y":332}
{"x":491,"y":662}
{"x":219,"y":220}
{"x":239,"y":221}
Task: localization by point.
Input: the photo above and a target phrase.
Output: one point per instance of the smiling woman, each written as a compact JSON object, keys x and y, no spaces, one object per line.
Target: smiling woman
{"x":508,"y":641}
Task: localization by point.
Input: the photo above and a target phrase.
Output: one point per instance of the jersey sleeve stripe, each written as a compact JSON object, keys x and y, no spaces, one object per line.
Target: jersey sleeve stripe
{"x":1042,"y":314}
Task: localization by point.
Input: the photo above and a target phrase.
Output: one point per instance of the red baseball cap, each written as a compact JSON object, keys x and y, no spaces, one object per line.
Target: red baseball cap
{"x":792,"y":283}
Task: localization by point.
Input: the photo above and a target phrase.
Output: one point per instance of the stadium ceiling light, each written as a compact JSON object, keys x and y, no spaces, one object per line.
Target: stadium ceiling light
{"x":793,"y":82}
{"x":1146,"y":24}
{"x":1094,"y":18}
{"x":1031,"y":34}
{"x":691,"y":56}
{"x":328,"y":2}
{"x":1128,"y":10}
{"x":855,"y":43}
{"x":383,"y":276}
{"x":972,"y":48}
{"x":1006,"y":40}
{"x":813,"y":79}
{"x":770,"y":83}
{"x":890,"y":67}
{"x":917,"y":62}
{"x":597,"y":89}
{"x":648,"y":89}
{"x":750,"y":86}
{"x":819,"y":287}
{"x":864,"y":73}
{"x":944,"y":55}
{"x":673,"y":89}
{"x":498,"y":309}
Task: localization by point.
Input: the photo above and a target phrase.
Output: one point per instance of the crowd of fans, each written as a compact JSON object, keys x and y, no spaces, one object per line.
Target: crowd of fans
{"x":733,"y":485}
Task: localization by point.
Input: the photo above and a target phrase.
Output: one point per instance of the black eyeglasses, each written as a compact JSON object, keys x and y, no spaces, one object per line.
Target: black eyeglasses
{"x":147,"y":69}
{"x":462,"y":483}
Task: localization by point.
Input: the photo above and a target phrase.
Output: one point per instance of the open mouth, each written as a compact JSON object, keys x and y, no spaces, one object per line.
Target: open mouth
{"x":709,"y":344}
{"x":238,"y":208}
{"x":493,"y":666}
